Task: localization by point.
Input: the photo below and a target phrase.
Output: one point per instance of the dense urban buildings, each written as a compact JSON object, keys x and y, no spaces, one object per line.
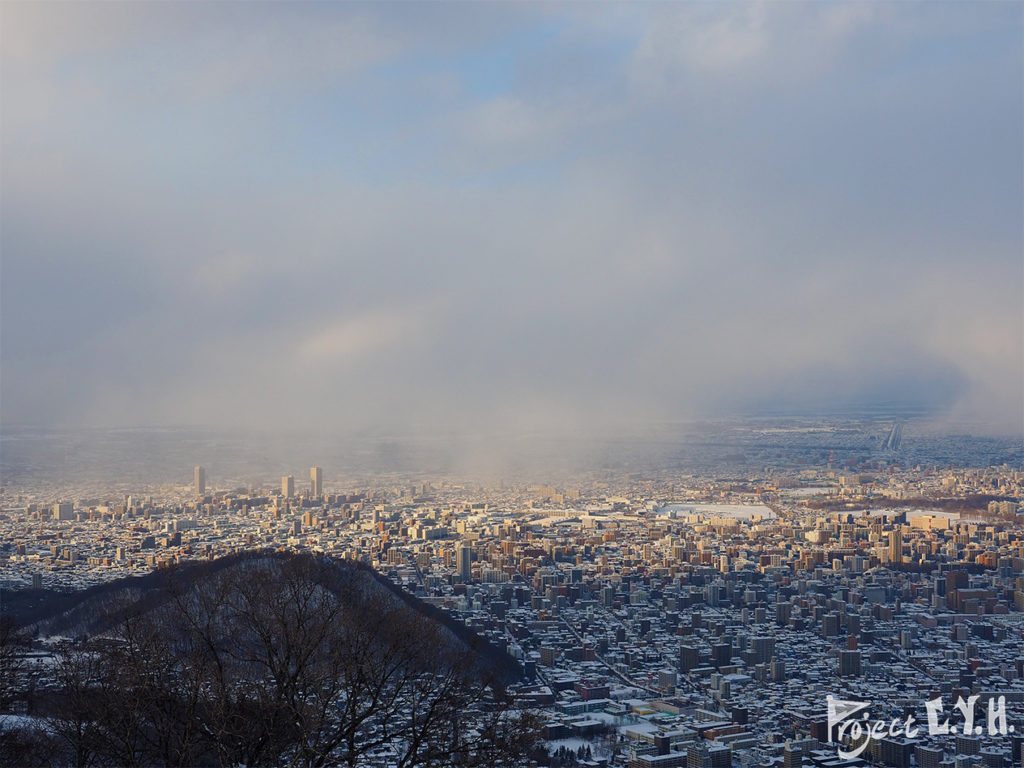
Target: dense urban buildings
{"x":659,"y":617}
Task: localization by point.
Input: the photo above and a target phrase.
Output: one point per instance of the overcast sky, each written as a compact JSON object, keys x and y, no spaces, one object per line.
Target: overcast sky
{"x":494,"y":216}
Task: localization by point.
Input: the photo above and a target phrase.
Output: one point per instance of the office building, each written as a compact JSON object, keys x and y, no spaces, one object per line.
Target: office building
{"x":288,"y":486}
{"x":199,"y":481}
{"x":316,"y":481}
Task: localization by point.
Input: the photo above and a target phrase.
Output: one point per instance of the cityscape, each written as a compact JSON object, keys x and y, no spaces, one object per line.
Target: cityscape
{"x":664,"y":618}
{"x":431,"y":384}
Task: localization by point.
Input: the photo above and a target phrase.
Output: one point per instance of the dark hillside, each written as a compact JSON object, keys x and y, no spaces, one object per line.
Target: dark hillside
{"x":100,"y":609}
{"x":268,"y":658}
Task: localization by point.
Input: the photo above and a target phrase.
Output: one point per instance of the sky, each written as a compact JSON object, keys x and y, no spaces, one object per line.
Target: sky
{"x":486,"y":217}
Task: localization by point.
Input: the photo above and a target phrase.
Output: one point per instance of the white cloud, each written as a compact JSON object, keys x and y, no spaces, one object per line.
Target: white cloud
{"x":354,"y":338}
{"x":695,"y":225}
{"x":758,"y":40}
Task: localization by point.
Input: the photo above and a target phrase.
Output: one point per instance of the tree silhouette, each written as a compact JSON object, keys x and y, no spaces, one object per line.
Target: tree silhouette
{"x":281,"y":661}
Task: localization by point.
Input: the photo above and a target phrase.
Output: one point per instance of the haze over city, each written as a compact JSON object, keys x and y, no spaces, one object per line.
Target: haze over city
{"x":493,"y":218}
{"x":521,"y":385}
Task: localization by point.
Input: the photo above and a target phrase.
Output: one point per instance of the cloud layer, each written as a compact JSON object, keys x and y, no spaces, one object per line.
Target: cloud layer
{"x":518,"y":217}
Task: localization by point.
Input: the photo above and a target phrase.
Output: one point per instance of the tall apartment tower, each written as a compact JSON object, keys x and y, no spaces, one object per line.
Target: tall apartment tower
{"x":288,"y":486}
{"x":849,"y":663}
{"x":199,"y":480}
{"x":896,"y":546}
{"x":689,"y":658}
{"x":762,"y":648}
{"x":316,"y":481}
{"x":463,"y":562}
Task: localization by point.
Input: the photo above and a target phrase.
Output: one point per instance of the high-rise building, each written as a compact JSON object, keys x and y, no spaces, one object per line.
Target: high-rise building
{"x":967,"y":745}
{"x":63,"y":510}
{"x":1016,"y":745}
{"x":928,"y":757}
{"x":721,"y":654}
{"x":689,"y":658}
{"x":316,"y":481}
{"x":463,"y":563}
{"x":896,"y":751}
{"x":721,"y":755}
{"x":697,"y":756}
{"x":778,"y":670}
{"x":288,"y":486}
{"x":849,"y":663}
{"x":763,"y":647}
{"x":896,"y":546}
{"x":199,"y":480}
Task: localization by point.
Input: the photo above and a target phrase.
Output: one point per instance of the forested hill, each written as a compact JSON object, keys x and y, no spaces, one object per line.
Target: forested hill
{"x":101,"y":609}
{"x":263,"y":658}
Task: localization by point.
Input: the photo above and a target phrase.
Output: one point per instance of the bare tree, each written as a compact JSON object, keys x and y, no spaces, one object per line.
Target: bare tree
{"x":283,"y":661}
{"x":20,"y":744}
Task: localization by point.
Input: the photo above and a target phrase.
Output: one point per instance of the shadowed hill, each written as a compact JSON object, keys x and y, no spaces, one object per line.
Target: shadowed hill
{"x":269,"y":658}
{"x":100,"y":609}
